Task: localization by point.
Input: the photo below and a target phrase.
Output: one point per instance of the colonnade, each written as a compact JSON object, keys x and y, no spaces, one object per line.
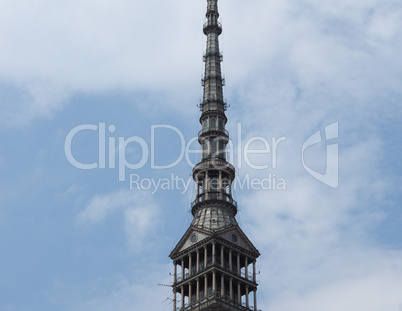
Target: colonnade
{"x":228,"y":279}
{"x":220,"y":183}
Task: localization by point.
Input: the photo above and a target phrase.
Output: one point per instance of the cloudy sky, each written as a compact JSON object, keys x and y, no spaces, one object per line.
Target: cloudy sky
{"x":114,"y":85}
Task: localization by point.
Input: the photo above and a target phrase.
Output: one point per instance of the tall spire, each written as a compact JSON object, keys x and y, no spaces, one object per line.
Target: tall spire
{"x":212,"y":82}
{"x":214,"y":255}
{"x":213,"y":175}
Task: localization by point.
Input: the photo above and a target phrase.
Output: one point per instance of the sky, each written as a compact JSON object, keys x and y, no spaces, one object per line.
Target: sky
{"x":98,"y":125}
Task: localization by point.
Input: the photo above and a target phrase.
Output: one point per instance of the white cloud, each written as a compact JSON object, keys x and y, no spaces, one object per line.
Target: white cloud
{"x":291,"y":68}
{"x":317,"y":243}
{"x":371,"y":289}
{"x":314,"y":64}
{"x":71,"y":190}
{"x":140,"y":214}
{"x":139,"y":222}
{"x":52,"y":51}
{"x":136,"y":290}
{"x":126,"y":297}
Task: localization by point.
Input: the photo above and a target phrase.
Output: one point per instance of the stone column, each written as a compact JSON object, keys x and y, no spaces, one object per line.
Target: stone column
{"x":174,"y":299}
{"x":238,"y":294}
{"x":205,"y":257}
{"x":222,"y":286}
{"x":182,"y":297}
{"x":231,"y":289}
{"x":247,"y":304}
{"x":254,"y":273}
{"x":190,"y":265}
{"x":205,"y":286}
{"x":255,"y":299}
{"x":175,"y":273}
{"x":198,"y":261}
{"x":214,"y":281}
{"x":197,"y":294}
{"x":220,"y":178}
{"x":206,"y":183}
{"x":238,"y":265}
{"x":246,"y":268}
{"x":230,"y":261}
{"x":189,"y":293}
{"x":222,"y":257}
{"x":182,"y":269}
{"x":213,"y":253}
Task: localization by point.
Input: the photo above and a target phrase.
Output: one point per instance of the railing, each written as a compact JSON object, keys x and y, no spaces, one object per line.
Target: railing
{"x":212,"y":77}
{"x":179,"y":277}
{"x":214,"y":196}
{"x":216,"y":25}
{"x":194,"y":271}
{"x":248,"y":277}
{"x":216,"y":296}
{"x":209,"y":53}
{"x":202,"y":267}
{"x":206,"y":24}
{"x":214,"y":102}
{"x":221,"y":156}
{"x":205,"y":130}
{"x":214,"y":162}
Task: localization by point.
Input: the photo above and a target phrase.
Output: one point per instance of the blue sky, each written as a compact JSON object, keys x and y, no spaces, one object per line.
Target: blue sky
{"x":74,"y":239}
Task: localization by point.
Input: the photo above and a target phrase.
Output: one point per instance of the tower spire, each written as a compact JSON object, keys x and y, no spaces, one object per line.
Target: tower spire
{"x":213,"y":175}
{"x":212,"y":81}
{"x":212,"y":261}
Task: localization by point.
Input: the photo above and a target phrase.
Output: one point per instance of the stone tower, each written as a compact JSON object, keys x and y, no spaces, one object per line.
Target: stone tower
{"x":214,"y":262}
